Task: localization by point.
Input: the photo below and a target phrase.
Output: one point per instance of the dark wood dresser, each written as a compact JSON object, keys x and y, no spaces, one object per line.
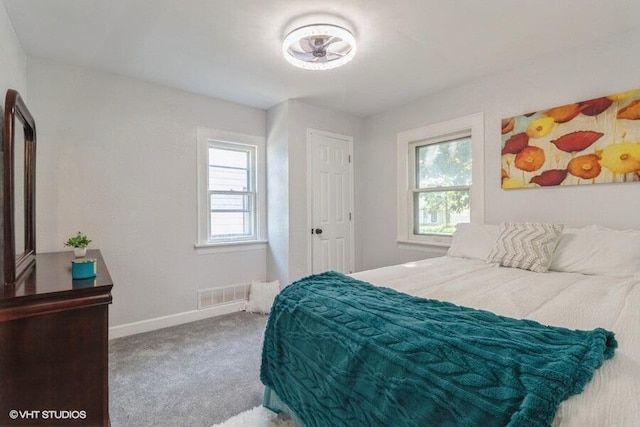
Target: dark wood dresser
{"x":54,"y":345}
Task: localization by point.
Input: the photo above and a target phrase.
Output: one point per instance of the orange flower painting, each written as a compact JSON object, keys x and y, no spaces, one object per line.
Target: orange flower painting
{"x":585,"y":167}
{"x":530,"y":159}
{"x":596,"y":141}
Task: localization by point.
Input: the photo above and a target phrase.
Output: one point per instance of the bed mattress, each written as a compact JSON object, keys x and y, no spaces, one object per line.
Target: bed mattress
{"x":571,"y":300}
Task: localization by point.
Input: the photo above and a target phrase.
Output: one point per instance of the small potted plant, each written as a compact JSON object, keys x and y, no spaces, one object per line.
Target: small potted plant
{"x":79,"y":243}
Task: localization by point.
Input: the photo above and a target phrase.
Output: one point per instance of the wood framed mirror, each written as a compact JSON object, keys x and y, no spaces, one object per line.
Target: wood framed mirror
{"x":18,"y":187}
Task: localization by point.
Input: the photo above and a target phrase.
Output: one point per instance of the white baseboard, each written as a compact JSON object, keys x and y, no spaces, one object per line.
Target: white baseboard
{"x":173,"y":320}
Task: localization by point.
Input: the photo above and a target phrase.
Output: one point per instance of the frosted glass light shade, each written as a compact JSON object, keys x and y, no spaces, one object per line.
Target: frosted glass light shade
{"x":319,"y":47}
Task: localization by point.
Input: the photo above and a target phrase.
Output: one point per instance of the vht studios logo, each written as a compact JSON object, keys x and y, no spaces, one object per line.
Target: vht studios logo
{"x":14,"y":414}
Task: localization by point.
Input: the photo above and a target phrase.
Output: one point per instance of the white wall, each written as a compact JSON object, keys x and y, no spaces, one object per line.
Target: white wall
{"x":13,"y":75}
{"x":594,"y":70}
{"x":117,"y":160}
{"x":297,"y":117}
{"x":278,"y":192}
{"x":13,"y":60}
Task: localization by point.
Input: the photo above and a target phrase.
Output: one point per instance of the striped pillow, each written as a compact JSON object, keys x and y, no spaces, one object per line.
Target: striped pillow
{"x":527,"y":246}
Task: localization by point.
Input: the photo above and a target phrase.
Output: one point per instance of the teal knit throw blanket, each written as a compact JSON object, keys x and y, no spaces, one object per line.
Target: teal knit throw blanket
{"x":342,"y":352}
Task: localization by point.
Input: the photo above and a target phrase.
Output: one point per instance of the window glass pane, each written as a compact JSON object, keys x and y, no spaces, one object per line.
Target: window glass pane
{"x":226,"y":179}
{"x":228,"y":158}
{"x":231,"y":215}
{"x":230,"y":224}
{"x":444,"y":164}
{"x":229,"y":169}
{"x":230,"y":202}
{"x":438,"y":212}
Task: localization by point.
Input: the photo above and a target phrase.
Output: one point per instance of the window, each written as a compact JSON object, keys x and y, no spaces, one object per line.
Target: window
{"x":231,"y":191}
{"x":230,"y":182}
{"x":439,"y":180}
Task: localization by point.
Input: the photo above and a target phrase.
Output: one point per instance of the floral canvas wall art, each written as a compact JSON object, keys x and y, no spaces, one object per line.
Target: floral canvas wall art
{"x":589,"y":142}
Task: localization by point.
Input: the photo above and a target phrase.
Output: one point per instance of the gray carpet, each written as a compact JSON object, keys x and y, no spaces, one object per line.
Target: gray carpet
{"x":197,"y":374}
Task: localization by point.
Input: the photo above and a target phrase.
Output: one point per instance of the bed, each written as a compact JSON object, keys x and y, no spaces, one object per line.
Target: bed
{"x":593,"y":282}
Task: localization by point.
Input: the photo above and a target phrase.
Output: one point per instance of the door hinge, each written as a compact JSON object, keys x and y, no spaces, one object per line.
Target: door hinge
{"x":349,"y":158}
{"x":349,"y":216}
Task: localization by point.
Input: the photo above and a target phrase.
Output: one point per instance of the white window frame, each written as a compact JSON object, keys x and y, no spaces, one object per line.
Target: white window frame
{"x":229,"y":140}
{"x":472,"y":125}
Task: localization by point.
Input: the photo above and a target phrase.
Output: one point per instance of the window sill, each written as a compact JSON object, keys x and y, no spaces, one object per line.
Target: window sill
{"x":214,"y":248}
{"x":434,"y":246}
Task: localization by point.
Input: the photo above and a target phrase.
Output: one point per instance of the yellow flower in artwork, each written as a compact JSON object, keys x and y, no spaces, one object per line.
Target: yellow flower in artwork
{"x":540,"y":127}
{"x":624,"y":95}
{"x":508,"y":183}
{"x":621,"y":158}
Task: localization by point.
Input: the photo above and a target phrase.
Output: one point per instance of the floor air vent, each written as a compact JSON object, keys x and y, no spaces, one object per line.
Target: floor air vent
{"x":218,"y":296}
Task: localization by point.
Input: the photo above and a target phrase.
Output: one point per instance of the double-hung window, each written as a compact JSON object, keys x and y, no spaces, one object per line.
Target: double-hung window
{"x":439,"y":180}
{"x":231,"y":195}
{"x":231,"y":191}
{"x":440,"y":184}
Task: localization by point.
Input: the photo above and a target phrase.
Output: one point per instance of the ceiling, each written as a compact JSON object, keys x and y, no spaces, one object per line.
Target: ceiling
{"x":231,"y":49}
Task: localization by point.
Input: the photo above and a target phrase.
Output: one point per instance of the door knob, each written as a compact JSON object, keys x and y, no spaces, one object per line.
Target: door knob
{"x":318,"y":230}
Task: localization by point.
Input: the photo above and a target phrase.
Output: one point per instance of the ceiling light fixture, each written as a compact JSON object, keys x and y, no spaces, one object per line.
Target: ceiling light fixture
{"x":319,"y":47}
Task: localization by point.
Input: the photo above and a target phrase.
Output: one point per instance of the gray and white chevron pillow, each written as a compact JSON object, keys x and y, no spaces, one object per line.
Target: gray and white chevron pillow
{"x":528,"y":246}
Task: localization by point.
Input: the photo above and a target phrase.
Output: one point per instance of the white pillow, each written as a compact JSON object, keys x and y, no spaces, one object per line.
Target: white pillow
{"x":602,"y":228}
{"x":528,"y":246}
{"x":473,"y":241}
{"x":600,"y":251}
{"x":261,"y":296}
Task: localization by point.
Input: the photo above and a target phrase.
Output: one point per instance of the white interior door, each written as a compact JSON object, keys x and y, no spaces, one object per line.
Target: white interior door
{"x":332,"y":201}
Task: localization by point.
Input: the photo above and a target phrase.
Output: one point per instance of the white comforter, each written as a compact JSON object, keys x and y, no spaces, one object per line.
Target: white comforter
{"x":575,"y":301}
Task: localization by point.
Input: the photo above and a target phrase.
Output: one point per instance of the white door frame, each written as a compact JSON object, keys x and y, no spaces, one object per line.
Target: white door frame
{"x":349,"y":141}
